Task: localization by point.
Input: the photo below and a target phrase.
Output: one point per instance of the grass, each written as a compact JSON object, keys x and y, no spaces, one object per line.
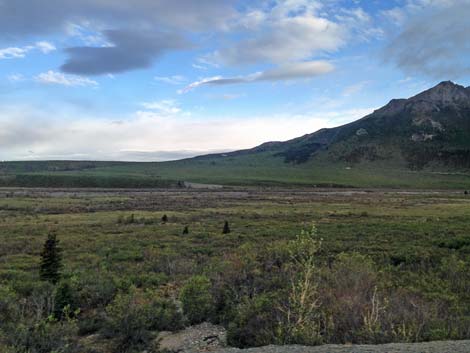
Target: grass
{"x":408,"y":235}
{"x":375,"y":223}
{"x":258,"y":169}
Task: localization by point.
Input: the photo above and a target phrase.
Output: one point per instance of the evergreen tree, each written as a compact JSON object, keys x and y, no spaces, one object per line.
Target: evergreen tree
{"x":186,"y":230}
{"x":165,"y":218}
{"x":64,"y":299}
{"x":226,"y":229}
{"x":51,"y":260}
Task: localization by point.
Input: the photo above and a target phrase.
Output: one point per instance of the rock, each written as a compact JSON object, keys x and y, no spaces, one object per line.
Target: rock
{"x":201,"y":338}
{"x":362,"y":132}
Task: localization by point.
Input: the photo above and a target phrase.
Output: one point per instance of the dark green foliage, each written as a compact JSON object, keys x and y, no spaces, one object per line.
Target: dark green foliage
{"x":64,"y":300}
{"x":44,"y":336}
{"x":51,"y":260}
{"x":133,"y":317}
{"x":197,"y":300}
{"x":185,"y":230}
{"x":226,"y":229}
{"x":164,"y":218}
{"x":164,"y":315}
{"x":128,"y":321}
{"x":255,"y":323}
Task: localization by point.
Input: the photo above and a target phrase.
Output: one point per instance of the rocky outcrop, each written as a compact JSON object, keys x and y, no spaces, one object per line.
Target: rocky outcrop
{"x":212,"y":338}
{"x":201,"y":338}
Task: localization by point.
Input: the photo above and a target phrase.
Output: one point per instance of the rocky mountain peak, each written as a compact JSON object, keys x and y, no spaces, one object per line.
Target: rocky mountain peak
{"x":444,"y":93}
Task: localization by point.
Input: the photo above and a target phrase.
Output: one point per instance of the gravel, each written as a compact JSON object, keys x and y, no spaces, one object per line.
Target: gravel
{"x":427,"y":347}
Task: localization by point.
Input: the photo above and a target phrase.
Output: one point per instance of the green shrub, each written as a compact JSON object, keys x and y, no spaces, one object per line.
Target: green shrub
{"x":65,"y":298}
{"x":197,"y":300}
{"x":164,"y":315}
{"x":129,"y":319}
{"x":95,"y":290}
{"x":8,"y":305}
{"x":44,"y":336}
{"x":254,"y":324}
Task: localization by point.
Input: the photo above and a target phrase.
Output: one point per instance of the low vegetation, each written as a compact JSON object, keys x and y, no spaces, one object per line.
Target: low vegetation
{"x":98,"y":271}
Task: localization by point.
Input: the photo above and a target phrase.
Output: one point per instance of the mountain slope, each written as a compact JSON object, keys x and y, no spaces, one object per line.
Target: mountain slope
{"x":431,"y":129}
{"x":420,"y":142}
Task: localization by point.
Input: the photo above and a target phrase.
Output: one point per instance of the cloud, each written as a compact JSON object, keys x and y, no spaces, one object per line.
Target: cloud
{"x":15,"y":78}
{"x":32,"y":17}
{"x":434,"y":40}
{"x":129,"y":50}
{"x":57,"y":78}
{"x":286,"y":72}
{"x":21,"y":52}
{"x":283,"y":40}
{"x":164,"y":107}
{"x":355,"y":88}
{"x":172,"y":80}
{"x":117,"y":35}
{"x":294,"y":30}
{"x":145,"y":135}
{"x":45,"y":47}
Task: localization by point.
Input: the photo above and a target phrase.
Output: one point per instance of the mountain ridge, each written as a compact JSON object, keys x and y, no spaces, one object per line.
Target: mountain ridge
{"x":420,"y":125}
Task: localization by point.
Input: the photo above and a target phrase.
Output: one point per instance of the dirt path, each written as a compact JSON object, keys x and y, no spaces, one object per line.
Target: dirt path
{"x":428,"y":347}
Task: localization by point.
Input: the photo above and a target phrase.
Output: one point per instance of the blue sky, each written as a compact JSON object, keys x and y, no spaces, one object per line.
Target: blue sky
{"x":161,"y":79}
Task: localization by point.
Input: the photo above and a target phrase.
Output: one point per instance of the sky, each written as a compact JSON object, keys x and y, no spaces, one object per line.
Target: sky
{"x":153,"y":80}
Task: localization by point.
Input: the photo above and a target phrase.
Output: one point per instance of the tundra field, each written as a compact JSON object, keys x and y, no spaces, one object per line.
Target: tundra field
{"x":389,"y":266}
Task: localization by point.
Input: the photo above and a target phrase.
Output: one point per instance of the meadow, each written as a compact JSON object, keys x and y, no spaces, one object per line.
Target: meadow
{"x":388,"y":266}
{"x":241,"y":170}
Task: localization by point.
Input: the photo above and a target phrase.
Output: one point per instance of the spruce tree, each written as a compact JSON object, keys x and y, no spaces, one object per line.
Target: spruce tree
{"x":51,"y":260}
{"x":226,"y":229}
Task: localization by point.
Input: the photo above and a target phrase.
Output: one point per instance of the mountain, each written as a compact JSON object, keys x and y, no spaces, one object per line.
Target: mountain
{"x":431,"y":129}
{"x":419,"y":142}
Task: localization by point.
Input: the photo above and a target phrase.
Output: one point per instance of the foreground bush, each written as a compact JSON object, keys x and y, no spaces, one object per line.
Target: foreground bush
{"x":134,"y":318}
{"x":198,"y":304}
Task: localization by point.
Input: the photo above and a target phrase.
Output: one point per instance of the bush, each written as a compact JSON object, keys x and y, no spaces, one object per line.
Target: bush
{"x":95,"y":290}
{"x":44,"y":336}
{"x":64,"y":299}
{"x":197,"y":299}
{"x":8,"y":307}
{"x":128,"y":322}
{"x":255,"y":323}
{"x":164,"y":315}
{"x":349,"y":292}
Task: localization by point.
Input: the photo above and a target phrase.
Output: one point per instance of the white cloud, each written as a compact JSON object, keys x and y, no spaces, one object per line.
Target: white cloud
{"x":147,"y":134}
{"x":21,"y":52}
{"x":172,"y":80}
{"x":15,"y":78}
{"x":14,"y":52}
{"x":45,"y":47}
{"x":164,"y":107}
{"x":288,"y":72}
{"x":294,"y":30}
{"x":57,"y":78}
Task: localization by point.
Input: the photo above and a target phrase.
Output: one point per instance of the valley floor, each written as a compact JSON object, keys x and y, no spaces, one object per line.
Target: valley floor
{"x":397,"y":257}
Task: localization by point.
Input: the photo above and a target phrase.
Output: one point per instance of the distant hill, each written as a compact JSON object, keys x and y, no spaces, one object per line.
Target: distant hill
{"x":429,"y":129}
{"x":420,"y":142}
